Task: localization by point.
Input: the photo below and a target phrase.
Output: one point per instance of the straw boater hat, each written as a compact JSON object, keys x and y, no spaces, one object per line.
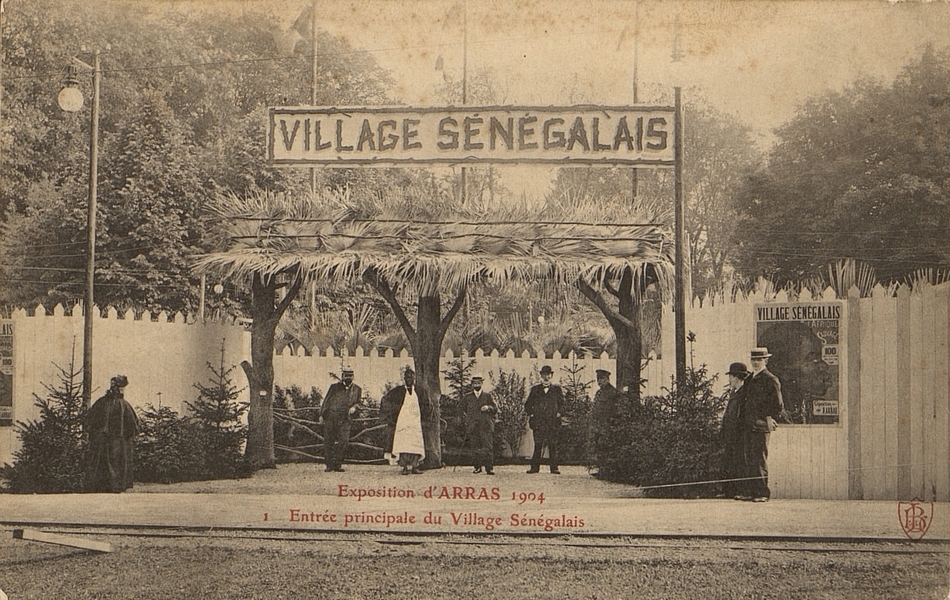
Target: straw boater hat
{"x":477,"y":377}
{"x":347,"y":371}
{"x":760,"y":352}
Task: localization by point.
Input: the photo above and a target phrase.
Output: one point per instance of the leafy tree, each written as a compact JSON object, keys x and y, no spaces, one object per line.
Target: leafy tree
{"x":184,"y":94}
{"x":860,"y":174}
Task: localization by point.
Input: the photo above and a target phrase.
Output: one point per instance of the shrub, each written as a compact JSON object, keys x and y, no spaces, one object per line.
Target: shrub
{"x":508,"y":390}
{"x":669,"y":439}
{"x":167,"y":449}
{"x":295,"y":424}
{"x":205,"y":445}
{"x":50,"y":457}
{"x":459,"y":377}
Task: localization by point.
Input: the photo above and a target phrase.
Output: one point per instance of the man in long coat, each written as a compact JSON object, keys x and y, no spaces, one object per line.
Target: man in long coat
{"x":602,"y":419}
{"x":111,"y":424}
{"x":762,"y":405}
{"x":733,"y":459}
{"x":543,"y":408}
{"x":337,"y":413}
{"x":405,"y":441}
{"x":480,"y":410}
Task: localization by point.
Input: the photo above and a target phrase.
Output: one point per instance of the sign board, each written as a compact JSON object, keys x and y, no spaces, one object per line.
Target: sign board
{"x":803,"y":339}
{"x":581,"y":135}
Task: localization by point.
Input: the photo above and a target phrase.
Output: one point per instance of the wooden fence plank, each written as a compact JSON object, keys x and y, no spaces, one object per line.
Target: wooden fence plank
{"x":868,"y":439}
{"x":942,"y":392}
{"x":902,"y":350}
{"x":875,"y":394}
{"x":928,"y":398}
{"x":915,"y":398}
{"x":891,"y":398}
{"x":853,"y":370}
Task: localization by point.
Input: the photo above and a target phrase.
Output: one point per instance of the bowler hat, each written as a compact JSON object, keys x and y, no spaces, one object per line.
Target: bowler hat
{"x":760,"y":352}
{"x":738,"y":369}
{"x":546,"y":369}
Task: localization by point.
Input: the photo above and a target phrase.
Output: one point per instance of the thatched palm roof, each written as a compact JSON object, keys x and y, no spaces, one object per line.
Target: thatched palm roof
{"x":270,"y":234}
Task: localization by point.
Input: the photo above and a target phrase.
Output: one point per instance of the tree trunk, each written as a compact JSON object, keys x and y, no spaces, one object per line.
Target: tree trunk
{"x":625,"y":322}
{"x":629,"y":337}
{"x":259,"y":451}
{"x":426,"y":349}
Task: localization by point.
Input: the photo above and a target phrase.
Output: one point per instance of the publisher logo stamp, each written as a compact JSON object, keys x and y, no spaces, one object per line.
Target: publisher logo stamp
{"x":915,"y":517}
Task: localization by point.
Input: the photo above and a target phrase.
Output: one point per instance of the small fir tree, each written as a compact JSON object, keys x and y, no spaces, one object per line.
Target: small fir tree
{"x":575,"y":413}
{"x":220,"y":431}
{"x":50,"y":457}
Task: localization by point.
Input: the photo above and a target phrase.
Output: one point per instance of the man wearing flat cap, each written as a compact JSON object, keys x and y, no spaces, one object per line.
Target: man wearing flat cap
{"x":733,"y":460}
{"x":111,"y":424}
{"x":480,"y":410}
{"x":337,"y":414}
{"x":603,"y":414}
{"x":762,"y":405}
{"x":543,"y":408}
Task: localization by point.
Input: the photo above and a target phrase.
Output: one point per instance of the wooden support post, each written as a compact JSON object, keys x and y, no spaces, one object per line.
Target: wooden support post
{"x":62,"y":540}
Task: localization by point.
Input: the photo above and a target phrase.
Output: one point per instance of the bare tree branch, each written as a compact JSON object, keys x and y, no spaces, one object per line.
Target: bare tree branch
{"x":598,"y":301}
{"x":371,"y":276}
{"x":447,"y":320}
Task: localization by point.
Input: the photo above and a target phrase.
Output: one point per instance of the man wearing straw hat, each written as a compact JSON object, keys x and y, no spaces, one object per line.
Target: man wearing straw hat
{"x":763,"y":404}
{"x":337,"y":412}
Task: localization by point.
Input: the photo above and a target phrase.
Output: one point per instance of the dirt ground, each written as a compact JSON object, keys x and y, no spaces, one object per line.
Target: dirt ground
{"x":276,"y":564}
{"x":176,"y":564}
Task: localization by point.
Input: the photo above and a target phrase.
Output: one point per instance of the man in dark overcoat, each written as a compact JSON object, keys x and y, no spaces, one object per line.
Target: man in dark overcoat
{"x":603,"y":414}
{"x":111,"y":424}
{"x":337,"y":414}
{"x":391,"y":405}
{"x":480,"y":410}
{"x":761,"y":406}
{"x":543,"y":408}
{"x":730,"y":434}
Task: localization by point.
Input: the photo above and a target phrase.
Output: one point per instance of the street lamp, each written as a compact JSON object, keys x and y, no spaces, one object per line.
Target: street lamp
{"x":70,"y":99}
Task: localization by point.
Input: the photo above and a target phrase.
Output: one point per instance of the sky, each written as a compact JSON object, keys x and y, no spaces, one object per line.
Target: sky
{"x":758,"y":60}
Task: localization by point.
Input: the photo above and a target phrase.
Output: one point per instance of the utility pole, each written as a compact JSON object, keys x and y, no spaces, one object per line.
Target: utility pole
{"x":464,"y":86}
{"x":313,"y":80}
{"x":679,"y":300}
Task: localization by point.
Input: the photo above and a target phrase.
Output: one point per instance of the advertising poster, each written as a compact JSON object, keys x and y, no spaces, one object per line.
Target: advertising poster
{"x":6,"y":372}
{"x":803,"y":339}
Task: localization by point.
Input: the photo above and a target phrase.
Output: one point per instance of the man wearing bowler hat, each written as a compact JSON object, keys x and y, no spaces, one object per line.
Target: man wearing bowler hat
{"x":543,"y":408}
{"x":602,"y":420}
{"x":480,"y":410}
{"x":761,"y":406}
{"x":337,"y":414}
{"x":733,"y":461}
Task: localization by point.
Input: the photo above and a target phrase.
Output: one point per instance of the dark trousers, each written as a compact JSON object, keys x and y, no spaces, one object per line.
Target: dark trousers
{"x":756,"y":452}
{"x":482,"y":449}
{"x":733,"y":466}
{"x":544,"y":437}
{"x":336,"y":435}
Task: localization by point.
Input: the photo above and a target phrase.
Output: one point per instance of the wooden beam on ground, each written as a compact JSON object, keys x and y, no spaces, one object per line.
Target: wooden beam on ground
{"x":62,"y":540}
